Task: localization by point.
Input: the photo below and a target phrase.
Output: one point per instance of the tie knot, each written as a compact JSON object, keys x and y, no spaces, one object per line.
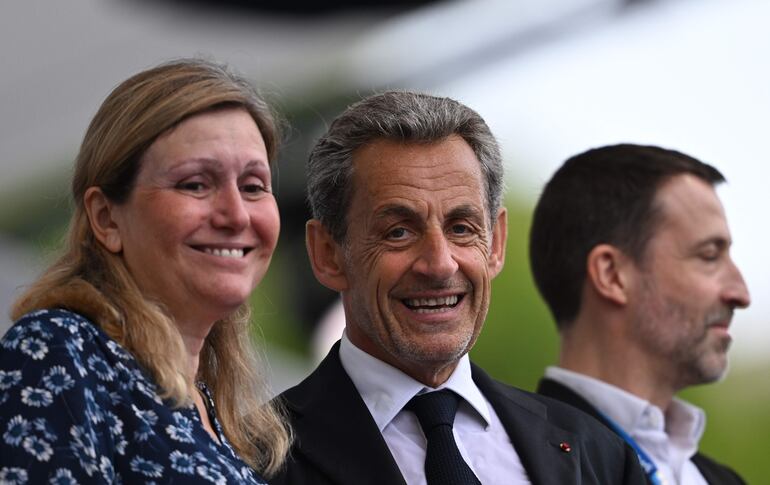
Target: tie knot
{"x":434,"y":408}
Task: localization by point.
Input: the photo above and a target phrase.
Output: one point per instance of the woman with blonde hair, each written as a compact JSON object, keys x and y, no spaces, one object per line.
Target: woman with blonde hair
{"x":131,"y":360}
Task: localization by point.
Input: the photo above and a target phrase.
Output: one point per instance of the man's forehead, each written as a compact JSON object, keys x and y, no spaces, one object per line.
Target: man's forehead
{"x":690,"y":194}
{"x":691,"y":205}
{"x":391,"y":176}
{"x":436,"y":163}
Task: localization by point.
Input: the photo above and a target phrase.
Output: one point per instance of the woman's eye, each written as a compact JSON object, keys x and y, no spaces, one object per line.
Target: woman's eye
{"x":253,"y":188}
{"x":191,"y":186}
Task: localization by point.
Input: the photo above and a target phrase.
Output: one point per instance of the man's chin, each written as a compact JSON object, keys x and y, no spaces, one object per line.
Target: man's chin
{"x":713,"y":370}
{"x":434,"y":351}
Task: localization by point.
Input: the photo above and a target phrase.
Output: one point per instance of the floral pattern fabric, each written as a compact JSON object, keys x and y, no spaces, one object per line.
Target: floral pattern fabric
{"x":75,"y":407}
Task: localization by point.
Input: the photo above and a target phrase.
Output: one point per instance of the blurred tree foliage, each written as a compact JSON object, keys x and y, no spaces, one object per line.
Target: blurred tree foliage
{"x":37,"y":211}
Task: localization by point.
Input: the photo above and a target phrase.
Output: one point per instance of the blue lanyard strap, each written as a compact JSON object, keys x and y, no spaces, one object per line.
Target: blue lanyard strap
{"x":644,"y":459}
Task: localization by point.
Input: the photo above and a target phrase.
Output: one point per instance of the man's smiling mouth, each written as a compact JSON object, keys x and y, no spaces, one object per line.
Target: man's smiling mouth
{"x":432,"y":305}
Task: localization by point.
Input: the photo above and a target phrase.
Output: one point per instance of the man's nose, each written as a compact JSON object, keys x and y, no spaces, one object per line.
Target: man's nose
{"x":735,"y":292}
{"x":436,"y":259}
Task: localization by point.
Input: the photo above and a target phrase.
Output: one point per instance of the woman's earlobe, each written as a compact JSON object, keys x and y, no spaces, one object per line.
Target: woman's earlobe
{"x":100,"y":212}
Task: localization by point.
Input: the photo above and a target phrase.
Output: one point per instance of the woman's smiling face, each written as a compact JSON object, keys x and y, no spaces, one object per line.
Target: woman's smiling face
{"x":200,"y":226}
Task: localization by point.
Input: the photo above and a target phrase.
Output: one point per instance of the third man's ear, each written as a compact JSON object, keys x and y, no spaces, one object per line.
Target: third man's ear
{"x":606,"y":273}
{"x":326,"y":256}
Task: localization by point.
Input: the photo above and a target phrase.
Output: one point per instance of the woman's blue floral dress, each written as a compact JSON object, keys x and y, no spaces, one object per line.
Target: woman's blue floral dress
{"x":75,"y":407}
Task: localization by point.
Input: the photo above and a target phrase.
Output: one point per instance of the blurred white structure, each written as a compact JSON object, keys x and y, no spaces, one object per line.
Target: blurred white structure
{"x":689,"y":75}
{"x":552,"y":78}
{"x":328,"y":331}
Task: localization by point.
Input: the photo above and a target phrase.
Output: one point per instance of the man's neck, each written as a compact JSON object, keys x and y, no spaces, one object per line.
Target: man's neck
{"x":619,"y":365}
{"x":431,"y":374}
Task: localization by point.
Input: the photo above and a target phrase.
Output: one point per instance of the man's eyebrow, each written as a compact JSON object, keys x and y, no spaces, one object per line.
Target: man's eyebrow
{"x":396,"y":211}
{"x":720,"y":242}
{"x":466,"y":211}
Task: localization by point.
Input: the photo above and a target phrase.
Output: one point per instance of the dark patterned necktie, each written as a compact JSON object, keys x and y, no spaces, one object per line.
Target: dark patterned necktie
{"x":443,"y":463}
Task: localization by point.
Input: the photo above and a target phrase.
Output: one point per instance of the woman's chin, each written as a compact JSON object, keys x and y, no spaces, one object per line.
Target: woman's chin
{"x":219,"y":305}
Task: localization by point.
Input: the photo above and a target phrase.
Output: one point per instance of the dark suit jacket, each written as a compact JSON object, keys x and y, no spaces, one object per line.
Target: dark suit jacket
{"x":713,"y":472}
{"x":338,"y":442}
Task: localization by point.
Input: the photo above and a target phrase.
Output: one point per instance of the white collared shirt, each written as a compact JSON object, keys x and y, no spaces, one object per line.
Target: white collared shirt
{"x":480,"y":436}
{"x":669,"y":439}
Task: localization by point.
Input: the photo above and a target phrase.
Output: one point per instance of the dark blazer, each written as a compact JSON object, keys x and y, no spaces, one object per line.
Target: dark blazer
{"x":338,"y":442}
{"x":713,"y":472}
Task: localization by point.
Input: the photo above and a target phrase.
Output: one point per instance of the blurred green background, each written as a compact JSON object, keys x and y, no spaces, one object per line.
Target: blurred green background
{"x":518,"y":341}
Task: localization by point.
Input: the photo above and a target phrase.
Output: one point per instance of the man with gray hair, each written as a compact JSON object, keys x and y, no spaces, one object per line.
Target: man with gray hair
{"x":408,"y":225}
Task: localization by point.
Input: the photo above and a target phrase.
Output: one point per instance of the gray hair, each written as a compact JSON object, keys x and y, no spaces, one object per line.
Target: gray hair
{"x":399,"y":116}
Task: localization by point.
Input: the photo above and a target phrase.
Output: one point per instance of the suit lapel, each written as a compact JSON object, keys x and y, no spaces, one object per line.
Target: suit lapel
{"x":335,"y":430}
{"x":551,"y":388}
{"x":556,"y":390}
{"x":712,"y":472}
{"x":537,"y":441}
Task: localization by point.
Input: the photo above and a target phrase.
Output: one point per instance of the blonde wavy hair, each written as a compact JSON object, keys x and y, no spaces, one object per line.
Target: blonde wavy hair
{"x":90,"y":280}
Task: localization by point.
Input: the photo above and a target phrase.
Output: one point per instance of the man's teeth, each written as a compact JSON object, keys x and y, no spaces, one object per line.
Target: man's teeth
{"x":432,"y":305}
{"x":225,"y":253}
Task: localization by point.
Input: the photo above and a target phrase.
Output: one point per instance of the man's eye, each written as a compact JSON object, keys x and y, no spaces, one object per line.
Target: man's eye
{"x":460,"y":229}
{"x":397,"y":233}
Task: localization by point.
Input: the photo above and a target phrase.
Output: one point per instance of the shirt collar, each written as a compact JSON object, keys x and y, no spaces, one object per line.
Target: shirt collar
{"x":685,"y":423}
{"x":682,"y":421}
{"x":387,"y":394}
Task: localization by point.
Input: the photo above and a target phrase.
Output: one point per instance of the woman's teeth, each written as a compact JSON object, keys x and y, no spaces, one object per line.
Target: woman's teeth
{"x":225,"y":253}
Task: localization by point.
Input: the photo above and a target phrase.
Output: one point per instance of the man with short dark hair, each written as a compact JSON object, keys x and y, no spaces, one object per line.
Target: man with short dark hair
{"x":408,"y":225}
{"x":631,"y":251}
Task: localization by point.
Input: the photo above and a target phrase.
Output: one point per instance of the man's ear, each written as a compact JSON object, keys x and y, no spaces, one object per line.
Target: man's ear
{"x":101,"y":216}
{"x":326,"y":256}
{"x":499,"y":240}
{"x":607,"y":273}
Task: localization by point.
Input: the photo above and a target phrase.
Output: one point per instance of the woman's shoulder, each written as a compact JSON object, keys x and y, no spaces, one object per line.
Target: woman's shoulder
{"x":42,"y":331}
{"x":67,"y":387}
{"x":56,"y":354}
{"x":47,"y":325}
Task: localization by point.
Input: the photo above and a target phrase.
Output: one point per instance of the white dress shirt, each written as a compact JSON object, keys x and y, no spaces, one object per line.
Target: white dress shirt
{"x":480,"y":436}
{"x":670,"y":439}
